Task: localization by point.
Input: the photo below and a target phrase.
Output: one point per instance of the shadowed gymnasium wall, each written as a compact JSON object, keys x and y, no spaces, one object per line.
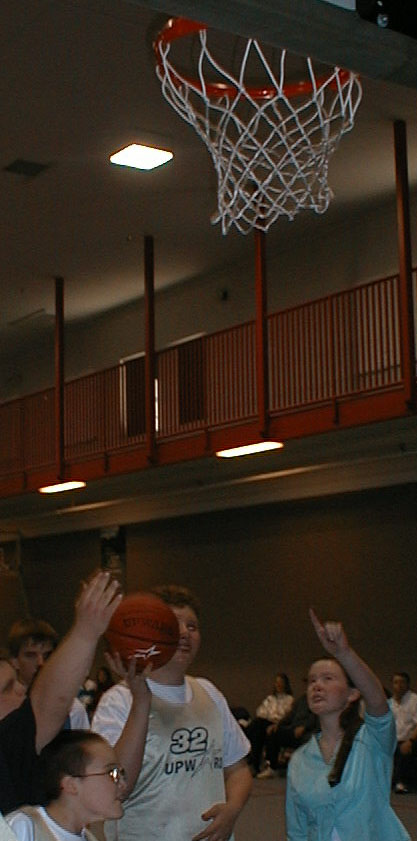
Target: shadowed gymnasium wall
{"x":13,"y":603}
{"x":256,"y":571}
{"x":52,"y":569}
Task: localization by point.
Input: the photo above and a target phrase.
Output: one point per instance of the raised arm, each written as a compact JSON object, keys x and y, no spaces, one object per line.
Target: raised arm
{"x":130,"y":746}
{"x":58,"y":681}
{"x":334,"y":640}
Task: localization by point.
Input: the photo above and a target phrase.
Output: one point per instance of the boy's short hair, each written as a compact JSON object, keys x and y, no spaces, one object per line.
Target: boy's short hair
{"x":66,"y":755}
{"x":177,"y":596}
{"x":24,"y":630}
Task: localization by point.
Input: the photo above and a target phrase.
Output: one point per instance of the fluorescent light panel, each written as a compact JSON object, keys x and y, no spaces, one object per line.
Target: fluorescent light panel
{"x":261,"y":447}
{"x":141,"y":157}
{"x":61,"y":486}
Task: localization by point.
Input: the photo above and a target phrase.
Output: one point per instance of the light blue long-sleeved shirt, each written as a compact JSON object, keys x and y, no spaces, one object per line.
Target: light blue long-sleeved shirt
{"x":359,"y":806}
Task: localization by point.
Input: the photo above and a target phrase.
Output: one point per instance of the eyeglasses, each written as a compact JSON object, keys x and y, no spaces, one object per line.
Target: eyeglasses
{"x":116,"y":774}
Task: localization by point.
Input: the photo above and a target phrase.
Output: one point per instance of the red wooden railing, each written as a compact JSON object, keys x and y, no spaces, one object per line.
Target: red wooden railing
{"x":346,"y":344}
{"x":337,"y":348}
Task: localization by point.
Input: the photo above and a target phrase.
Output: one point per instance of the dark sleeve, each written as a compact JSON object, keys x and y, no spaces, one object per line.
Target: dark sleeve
{"x":300,"y":715}
{"x":18,"y":759}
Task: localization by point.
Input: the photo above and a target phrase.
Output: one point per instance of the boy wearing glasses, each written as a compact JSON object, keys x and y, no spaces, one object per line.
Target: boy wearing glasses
{"x":83,"y":783}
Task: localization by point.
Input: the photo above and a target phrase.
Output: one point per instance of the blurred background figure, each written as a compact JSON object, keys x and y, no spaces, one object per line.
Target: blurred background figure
{"x":31,"y":642}
{"x":269,"y":713}
{"x":291,"y":732}
{"x":103,"y":682}
{"x":404,"y":707}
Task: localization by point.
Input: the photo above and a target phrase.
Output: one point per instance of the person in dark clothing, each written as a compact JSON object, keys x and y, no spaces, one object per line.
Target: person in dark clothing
{"x":270,"y":712}
{"x":291,"y":732}
{"x":27,"y":724}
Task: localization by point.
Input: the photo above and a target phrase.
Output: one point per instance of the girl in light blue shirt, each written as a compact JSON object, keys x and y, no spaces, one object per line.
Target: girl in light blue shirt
{"x":339,"y":782}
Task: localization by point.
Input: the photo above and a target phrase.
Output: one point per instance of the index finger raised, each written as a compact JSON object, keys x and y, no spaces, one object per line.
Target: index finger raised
{"x":318,"y":626}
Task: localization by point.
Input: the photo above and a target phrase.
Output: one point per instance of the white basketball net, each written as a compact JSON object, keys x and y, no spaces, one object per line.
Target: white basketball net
{"x":271,"y":154}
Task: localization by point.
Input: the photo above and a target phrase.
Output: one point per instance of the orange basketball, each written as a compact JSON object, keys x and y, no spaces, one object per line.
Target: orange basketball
{"x":143,"y":627}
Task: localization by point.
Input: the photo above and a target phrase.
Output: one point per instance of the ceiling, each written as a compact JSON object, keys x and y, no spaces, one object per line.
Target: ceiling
{"x":77,"y":83}
{"x":350,"y":460}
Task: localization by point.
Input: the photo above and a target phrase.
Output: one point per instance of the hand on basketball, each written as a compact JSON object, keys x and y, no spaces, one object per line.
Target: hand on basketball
{"x":220,"y":828}
{"x":114,"y":662}
{"x":330,"y":634}
{"x":96,"y":604}
{"x":136,"y":680}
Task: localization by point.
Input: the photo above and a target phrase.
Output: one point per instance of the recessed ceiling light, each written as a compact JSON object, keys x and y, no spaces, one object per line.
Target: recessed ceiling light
{"x":61,"y":486}
{"x":261,"y":447}
{"x":141,"y":157}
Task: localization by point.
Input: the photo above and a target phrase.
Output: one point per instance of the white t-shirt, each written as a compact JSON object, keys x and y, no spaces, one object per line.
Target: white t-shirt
{"x":78,"y":716}
{"x":6,"y":833}
{"x":274,"y":707}
{"x":23,"y":827}
{"x":405,"y":714}
{"x":114,"y":707}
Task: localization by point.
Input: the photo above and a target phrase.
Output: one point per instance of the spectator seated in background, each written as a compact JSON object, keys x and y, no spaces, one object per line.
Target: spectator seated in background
{"x":104,"y":681}
{"x":31,"y":642}
{"x":292,"y":731}
{"x":83,"y":784}
{"x":404,"y":707}
{"x":92,"y":690}
{"x":242,"y":716}
{"x":269,"y":713}
{"x":87,"y":695}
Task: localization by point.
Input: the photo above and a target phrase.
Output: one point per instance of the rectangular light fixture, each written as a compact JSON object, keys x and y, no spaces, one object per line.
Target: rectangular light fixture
{"x":261,"y":447}
{"x":141,"y":157}
{"x":62,"y":486}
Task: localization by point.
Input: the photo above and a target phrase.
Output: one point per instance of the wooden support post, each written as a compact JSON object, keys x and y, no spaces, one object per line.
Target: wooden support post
{"x":404,"y":252}
{"x":261,"y":333}
{"x":149,"y":348}
{"x":59,"y":377}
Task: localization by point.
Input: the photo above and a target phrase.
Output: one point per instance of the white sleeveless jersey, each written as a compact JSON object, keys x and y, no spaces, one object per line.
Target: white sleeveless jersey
{"x":32,"y":823}
{"x":182,"y":772}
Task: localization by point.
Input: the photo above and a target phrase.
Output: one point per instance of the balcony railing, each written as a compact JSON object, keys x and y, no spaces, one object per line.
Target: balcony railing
{"x":344,"y":346}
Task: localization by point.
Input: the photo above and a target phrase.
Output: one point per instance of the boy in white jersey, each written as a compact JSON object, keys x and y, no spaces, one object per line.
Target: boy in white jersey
{"x":83,"y":784}
{"x":193,"y":780}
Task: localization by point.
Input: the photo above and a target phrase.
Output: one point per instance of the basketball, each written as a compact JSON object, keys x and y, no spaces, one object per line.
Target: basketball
{"x":143,"y":627}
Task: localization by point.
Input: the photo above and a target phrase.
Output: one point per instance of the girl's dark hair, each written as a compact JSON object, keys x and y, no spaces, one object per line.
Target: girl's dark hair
{"x":287,"y":685}
{"x":66,"y":755}
{"x":350,"y":721}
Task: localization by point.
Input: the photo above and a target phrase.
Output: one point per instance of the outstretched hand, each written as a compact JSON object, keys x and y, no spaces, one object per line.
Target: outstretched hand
{"x":330,"y":634}
{"x":334,"y":640}
{"x":96,"y":604}
{"x":136,"y":680}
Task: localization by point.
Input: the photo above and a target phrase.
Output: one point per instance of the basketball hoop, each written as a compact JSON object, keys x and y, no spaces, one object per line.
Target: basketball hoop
{"x":270,"y":142}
